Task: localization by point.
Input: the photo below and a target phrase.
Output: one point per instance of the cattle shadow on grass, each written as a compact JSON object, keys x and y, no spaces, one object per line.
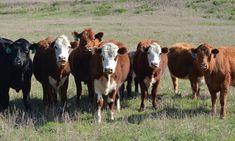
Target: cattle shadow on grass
{"x":168,"y":113}
{"x":39,"y":115}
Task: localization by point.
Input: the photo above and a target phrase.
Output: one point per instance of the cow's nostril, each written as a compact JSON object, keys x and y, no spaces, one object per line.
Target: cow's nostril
{"x":154,"y":64}
{"x":108,"y":70}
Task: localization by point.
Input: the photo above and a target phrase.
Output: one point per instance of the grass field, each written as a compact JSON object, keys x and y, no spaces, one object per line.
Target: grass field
{"x":168,"y":21}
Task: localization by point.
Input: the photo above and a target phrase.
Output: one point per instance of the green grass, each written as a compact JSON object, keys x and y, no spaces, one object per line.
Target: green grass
{"x":176,"y":118}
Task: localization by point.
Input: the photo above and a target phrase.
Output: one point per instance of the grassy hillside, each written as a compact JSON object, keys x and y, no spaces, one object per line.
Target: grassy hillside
{"x":168,"y":21}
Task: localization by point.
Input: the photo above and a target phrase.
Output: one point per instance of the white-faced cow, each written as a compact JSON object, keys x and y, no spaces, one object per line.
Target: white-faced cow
{"x":16,"y":70}
{"x":109,"y":68}
{"x":150,"y":62}
{"x":51,"y":68}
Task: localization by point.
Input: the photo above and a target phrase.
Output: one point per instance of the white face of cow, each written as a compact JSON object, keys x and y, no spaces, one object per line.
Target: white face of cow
{"x":154,"y":55}
{"x":109,"y":53}
{"x":62,"y":49}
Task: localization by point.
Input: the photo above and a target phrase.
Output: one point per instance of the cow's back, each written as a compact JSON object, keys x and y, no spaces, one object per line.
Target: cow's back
{"x":181,"y":62}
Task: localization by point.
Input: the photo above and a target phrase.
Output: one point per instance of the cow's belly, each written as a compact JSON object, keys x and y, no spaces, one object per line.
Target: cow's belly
{"x":104,"y":86}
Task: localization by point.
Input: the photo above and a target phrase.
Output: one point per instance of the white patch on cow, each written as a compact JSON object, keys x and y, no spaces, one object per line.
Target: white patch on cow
{"x":109,"y":100}
{"x":149,"y":81}
{"x":111,"y":114}
{"x":118,"y":105}
{"x":154,"y":53}
{"x":109,"y":54}
{"x":104,"y":86}
{"x":56,"y":85}
{"x":99,"y":114}
{"x":62,"y":49}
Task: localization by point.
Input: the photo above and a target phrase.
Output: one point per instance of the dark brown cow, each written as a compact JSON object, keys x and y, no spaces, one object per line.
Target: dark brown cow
{"x":51,"y":68}
{"x":182,"y":64}
{"x":80,"y":57}
{"x":149,"y":63}
{"x":218,"y":66}
{"x":129,"y":80}
{"x":109,"y":69}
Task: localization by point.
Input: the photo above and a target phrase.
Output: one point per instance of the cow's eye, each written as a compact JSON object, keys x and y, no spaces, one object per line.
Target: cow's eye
{"x":55,"y":47}
{"x":26,"y":51}
{"x":115,"y":58}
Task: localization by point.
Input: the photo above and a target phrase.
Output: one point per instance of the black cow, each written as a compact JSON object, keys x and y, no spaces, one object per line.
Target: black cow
{"x":16,"y":70}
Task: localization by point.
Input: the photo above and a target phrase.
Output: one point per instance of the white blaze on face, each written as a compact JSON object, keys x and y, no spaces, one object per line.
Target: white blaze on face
{"x":62,"y":49}
{"x":154,"y":53}
{"x":109,"y":54}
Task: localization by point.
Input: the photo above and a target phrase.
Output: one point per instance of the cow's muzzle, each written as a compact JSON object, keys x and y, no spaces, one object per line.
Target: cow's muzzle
{"x":108,"y":71}
{"x":203,"y":66}
{"x":154,"y":65}
{"x":18,"y":62}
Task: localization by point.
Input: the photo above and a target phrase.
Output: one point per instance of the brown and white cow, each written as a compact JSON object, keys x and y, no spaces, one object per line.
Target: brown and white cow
{"x":109,"y":68}
{"x":79,"y":60}
{"x":51,"y":68}
{"x":218,"y":66}
{"x":149,"y":63}
{"x":182,"y":64}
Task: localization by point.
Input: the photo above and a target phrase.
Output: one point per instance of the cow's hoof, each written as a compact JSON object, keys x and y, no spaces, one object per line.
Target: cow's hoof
{"x":142,"y":109}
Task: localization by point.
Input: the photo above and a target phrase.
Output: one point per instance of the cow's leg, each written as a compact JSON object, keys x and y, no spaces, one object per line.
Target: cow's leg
{"x":144,"y":94}
{"x":4,"y":97}
{"x":223,"y":102}
{"x":154,"y":93}
{"x":100,"y":105}
{"x":175,"y":84}
{"x":128,"y":87}
{"x":213,"y":101}
{"x":79,"y":91}
{"x":91,"y":91}
{"x":136,"y":87}
{"x":45,"y":95}
{"x":26,"y":95}
{"x":63,"y":94}
{"x":111,"y":100}
{"x":121,"y":90}
{"x":118,"y":101}
{"x":195,"y":87}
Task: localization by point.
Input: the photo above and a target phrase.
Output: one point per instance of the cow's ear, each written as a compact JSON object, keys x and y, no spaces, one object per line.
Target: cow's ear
{"x":122,"y":50}
{"x":98,"y":50}
{"x":194,"y":52}
{"x":99,"y":36}
{"x":34,"y":47}
{"x":215,"y":52}
{"x":76,"y":35}
{"x":74,"y":44}
{"x":146,"y":49}
{"x":165,"y":50}
{"x":8,"y":50}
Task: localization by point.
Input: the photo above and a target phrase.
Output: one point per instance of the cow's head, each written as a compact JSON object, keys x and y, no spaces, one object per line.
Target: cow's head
{"x":109,"y":53}
{"x":19,"y":52}
{"x":62,"y":49}
{"x":204,"y":53}
{"x":154,"y":52}
{"x":88,"y":39}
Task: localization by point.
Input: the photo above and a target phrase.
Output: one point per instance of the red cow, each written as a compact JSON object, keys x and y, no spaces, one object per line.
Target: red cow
{"x":182,"y":64}
{"x":110,"y":66}
{"x":149,"y":64}
{"x":51,"y":68}
{"x":218,"y":67}
{"x":80,"y":57}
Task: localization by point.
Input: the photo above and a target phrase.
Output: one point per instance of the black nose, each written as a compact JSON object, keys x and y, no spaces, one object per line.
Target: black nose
{"x":154,"y":64}
{"x":108,"y":70}
{"x":18,"y":61}
{"x":61,"y":58}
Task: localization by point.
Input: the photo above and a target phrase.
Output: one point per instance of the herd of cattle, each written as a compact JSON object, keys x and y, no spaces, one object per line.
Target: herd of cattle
{"x":105,"y":65}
